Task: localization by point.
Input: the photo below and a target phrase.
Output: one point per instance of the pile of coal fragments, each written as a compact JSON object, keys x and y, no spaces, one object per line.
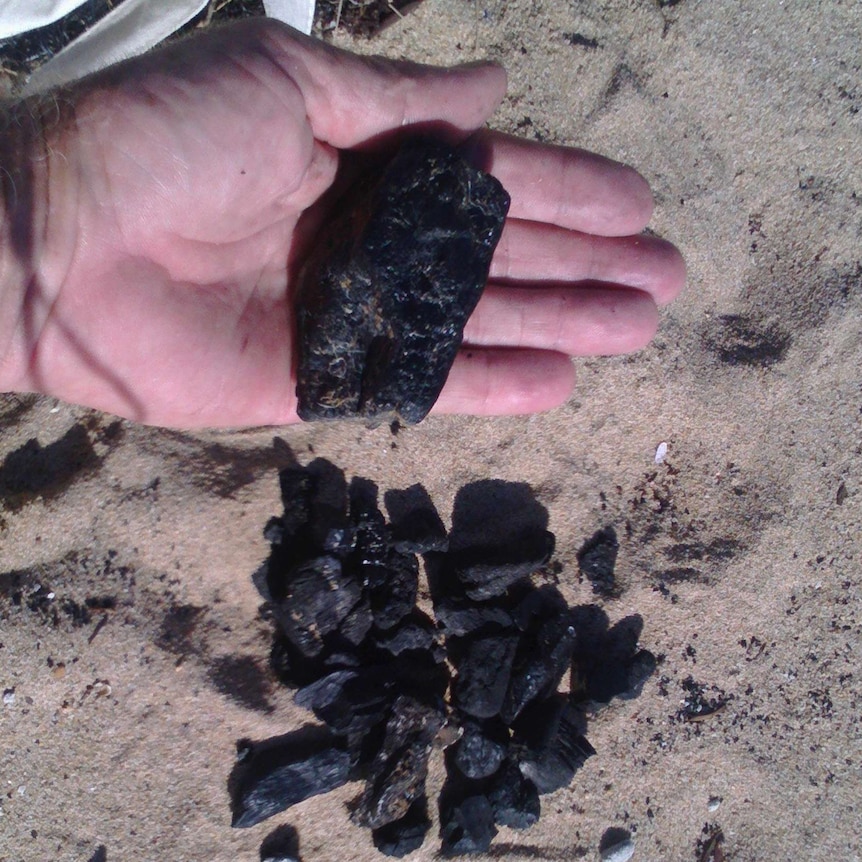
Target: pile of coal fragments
{"x":389,"y":683}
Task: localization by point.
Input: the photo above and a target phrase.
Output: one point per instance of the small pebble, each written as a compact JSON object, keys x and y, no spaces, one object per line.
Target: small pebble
{"x":621,"y":852}
{"x":9,"y":697}
{"x":713,"y":803}
{"x":660,"y":452}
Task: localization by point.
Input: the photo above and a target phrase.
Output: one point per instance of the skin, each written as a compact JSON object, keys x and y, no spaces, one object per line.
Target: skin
{"x":165,"y":203}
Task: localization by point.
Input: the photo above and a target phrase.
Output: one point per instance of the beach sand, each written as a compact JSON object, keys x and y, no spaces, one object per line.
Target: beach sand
{"x":740,"y":551}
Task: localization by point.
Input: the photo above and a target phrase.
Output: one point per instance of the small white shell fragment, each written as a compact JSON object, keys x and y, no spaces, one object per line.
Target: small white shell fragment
{"x":660,"y":452}
{"x":102,"y":688}
{"x":621,"y":852}
{"x":9,"y":697}
{"x":713,"y":803}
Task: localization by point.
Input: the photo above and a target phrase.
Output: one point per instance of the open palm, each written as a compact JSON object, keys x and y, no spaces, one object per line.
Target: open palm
{"x":184,"y":186}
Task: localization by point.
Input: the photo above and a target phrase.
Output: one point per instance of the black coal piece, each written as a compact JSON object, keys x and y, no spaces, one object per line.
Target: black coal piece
{"x":371,"y":548}
{"x":543,"y":657}
{"x":466,"y":822}
{"x":514,"y":798}
{"x":350,"y":702}
{"x":314,"y":523}
{"x":397,"y":775}
{"x":415,"y":632}
{"x":318,"y":598}
{"x":393,"y":596}
{"x":403,"y":836}
{"x":458,"y":618}
{"x":390,"y":578}
{"x":390,"y":282}
{"x":271,"y":776}
{"x":482,"y":747}
{"x":484,"y":668}
{"x":552,"y":747}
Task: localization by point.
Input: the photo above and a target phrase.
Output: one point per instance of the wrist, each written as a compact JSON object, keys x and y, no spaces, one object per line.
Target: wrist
{"x":29,"y":282}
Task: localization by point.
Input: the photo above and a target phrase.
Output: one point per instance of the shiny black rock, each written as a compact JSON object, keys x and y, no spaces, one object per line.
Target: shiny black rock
{"x":482,"y":747}
{"x":390,"y":282}
{"x":405,"y":835}
{"x":397,"y":775}
{"x":277,"y":773}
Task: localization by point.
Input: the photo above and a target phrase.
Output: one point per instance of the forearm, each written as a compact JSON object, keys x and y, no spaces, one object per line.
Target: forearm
{"x":30,"y":202}
{"x":21,"y":153}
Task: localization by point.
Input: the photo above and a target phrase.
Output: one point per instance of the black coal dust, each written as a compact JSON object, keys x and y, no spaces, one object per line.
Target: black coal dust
{"x":390,"y":282}
{"x":390,"y":684}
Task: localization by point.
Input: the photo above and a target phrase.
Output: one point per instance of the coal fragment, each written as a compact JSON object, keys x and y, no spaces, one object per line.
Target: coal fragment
{"x":542,"y":659}
{"x":350,"y":702}
{"x":295,"y":485}
{"x":482,"y":747}
{"x":514,"y":798}
{"x":273,"y":775}
{"x":390,"y":282}
{"x":465,"y":617}
{"x":403,"y":836}
{"x":287,"y":534}
{"x":314,"y":521}
{"x":416,"y":632}
{"x":356,"y":625}
{"x":391,"y":578}
{"x":318,"y":597}
{"x":397,"y":775}
{"x":328,"y":525}
{"x":597,"y":559}
{"x":483,"y":674}
{"x":371,"y":550}
{"x":394,"y":594}
{"x":466,"y":823}
{"x":295,"y":670}
{"x":552,"y":744}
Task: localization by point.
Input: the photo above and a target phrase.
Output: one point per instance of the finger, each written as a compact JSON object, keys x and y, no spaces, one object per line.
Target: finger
{"x":352,"y":99}
{"x":580,"y":321}
{"x":506,"y":382}
{"x":528,"y":251}
{"x":565,"y":186}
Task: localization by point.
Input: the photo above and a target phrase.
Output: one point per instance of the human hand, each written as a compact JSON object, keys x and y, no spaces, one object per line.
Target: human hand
{"x":181,"y":189}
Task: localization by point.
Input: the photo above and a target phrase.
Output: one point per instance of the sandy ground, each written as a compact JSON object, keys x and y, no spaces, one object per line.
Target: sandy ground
{"x":740,"y":551}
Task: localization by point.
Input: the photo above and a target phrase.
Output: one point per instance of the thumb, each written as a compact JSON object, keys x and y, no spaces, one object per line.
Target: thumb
{"x":351,"y":99}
